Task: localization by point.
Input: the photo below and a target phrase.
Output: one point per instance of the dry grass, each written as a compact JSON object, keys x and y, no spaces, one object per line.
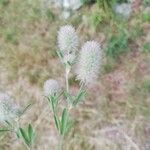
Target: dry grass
{"x":116,"y":112}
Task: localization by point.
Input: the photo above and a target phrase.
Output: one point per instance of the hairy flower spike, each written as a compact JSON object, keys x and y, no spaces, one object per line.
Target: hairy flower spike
{"x":67,"y":40}
{"x":8,"y":110}
{"x":51,"y":87}
{"x":89,"y":62}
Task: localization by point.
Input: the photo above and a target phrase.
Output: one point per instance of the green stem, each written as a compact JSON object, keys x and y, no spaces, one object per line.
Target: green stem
{"x":67,"y":78}
{"x":68,"y":68}
{"x":81,"y":86}
{"x":29,"y":148}
{"x":60,"y":145}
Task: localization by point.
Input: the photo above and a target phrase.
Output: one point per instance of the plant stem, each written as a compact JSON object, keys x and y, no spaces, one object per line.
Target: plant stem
{"x":67,"y":78}
{"x":68,"y":68}
{"x":29,"y":147}
{"x":81,"y":86}
{"x":60,"y":145}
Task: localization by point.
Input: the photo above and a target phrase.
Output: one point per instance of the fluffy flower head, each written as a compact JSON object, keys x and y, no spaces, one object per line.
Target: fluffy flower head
{"x":67,"y":39}
{"x":51,"y":87}
{"x":123,"y":9}
{"x":89,"y":62}
{"x":8,"y":110}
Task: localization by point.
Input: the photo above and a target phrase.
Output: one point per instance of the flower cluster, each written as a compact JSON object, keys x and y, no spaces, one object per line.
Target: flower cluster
{"x":67,"y":43}
{"x":89,"y":62}
{"x":67,"y":39}
{"x":8,"y":110}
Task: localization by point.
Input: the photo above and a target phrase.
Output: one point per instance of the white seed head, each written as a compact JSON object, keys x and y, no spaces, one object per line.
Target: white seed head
{"x":67,"y":39}
{"x":8,"y":110}
{"x":51,"y":87}
{"x":89,"y":62}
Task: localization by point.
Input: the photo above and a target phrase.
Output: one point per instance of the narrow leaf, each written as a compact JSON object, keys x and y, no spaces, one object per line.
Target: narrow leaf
{"x":24,"y":136}
{"x":18,"y":134}
{"x":60,"y":55}
{"x":30,"y":132}
{"x":8,"y":124}
{"x":49,"y":99}
{"x":25,"y":109}
{"x":53,"y":105}
{"x":64,"y":121}
{"x":57,"y":122}
{"x":69,"y":126}
{"x":4,"y":130}
{"x":79,"y":97}
{"x":68,"y":98}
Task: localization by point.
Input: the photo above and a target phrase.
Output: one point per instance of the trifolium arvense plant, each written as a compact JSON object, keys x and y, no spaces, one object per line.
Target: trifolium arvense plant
{"x":10,"y":114}
{"x":88,"y":61}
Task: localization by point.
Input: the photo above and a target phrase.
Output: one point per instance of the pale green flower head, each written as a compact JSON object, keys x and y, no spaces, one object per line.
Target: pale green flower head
{"x":51,"y":87}
{"x":8,"y":110}
{"x":88,"y":66}
{"x":67,"y":40}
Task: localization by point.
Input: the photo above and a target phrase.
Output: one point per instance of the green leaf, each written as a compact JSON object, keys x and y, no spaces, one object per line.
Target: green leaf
{"x":59,"y":53}
{"x":24,"y":136}
{"x":79,"y":97}
{"x":49,"y":99}
{"x":25,"y":109}
{"x":69,"y":126}
{"x":69,"y":64}
{"x":57,"y":122}
{"x":64,"y":121}
{"x":30,"y":132}
{"x":53,"y":104}
{"x":53,"y":101}
{"x":8,"y":124}
{"x":18,"y":134}
{"x":58,"y":95}
{"x":4,"y":130}
{"x":68,"y":98}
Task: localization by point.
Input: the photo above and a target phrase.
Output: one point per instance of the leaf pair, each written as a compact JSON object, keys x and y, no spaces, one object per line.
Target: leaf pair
{"x":53,"y":101}
{"x":73,"y":101}
{"x":63,"y":124}
{"x":27,"y":136}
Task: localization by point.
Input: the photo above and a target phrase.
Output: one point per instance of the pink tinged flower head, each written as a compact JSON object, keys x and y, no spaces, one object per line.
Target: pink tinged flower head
{"x":51,"y":87}
{"x":8,"y":110}
{"x":89,"y":62}
{"x":67,"y":39}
